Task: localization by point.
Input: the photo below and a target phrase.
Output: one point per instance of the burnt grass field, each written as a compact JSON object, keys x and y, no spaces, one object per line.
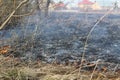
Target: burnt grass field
{"x":61,"y":37}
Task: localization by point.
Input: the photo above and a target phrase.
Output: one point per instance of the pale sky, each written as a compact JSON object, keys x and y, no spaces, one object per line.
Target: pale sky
{"x":101,"y":2}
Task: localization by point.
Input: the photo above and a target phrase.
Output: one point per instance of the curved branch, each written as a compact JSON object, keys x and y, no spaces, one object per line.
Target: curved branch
{"x":89,"y":34}
{"x":27,"y":14}
{"x":11,"y":15}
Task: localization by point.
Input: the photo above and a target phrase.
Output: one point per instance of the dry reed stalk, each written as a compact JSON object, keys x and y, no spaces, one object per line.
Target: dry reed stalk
{"x":94,"y":69}
{"x":100,"y":75}
{"x":87,"y":38}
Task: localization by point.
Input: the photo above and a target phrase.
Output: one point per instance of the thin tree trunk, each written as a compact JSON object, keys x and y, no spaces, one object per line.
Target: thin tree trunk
{"x":38,"y":9}
{"x":47,"y":8}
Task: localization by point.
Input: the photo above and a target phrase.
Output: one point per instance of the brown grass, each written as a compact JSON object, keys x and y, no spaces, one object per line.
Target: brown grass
{"x":43,"y":71}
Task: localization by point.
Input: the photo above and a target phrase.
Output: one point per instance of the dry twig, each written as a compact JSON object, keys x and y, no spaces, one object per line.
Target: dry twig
{"x":11,"y":15}
{"x":87,"y":38}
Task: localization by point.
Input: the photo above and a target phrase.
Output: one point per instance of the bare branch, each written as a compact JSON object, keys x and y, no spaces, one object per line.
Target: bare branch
{"x":27,"y":14}
{"x":13,"y":12}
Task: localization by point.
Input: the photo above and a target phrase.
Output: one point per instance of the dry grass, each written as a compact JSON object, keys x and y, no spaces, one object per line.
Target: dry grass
{"x":42,"y":71}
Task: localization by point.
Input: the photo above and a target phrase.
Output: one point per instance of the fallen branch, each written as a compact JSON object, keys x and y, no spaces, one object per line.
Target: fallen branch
{"x":11,"y":15}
